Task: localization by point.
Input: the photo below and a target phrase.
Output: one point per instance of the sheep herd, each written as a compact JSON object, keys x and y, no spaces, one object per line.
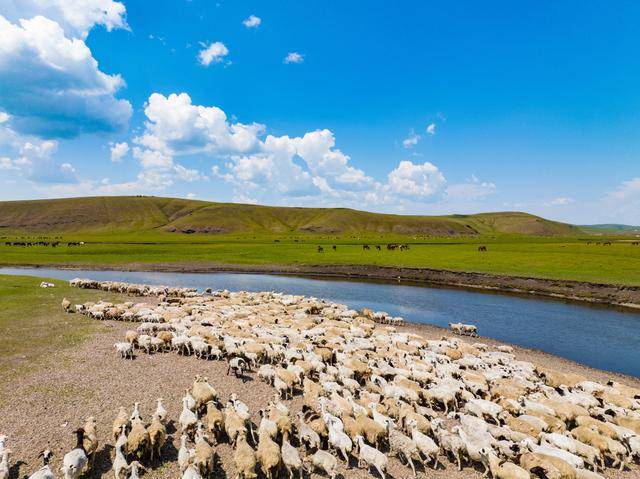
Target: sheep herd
{"x":365,"y":391}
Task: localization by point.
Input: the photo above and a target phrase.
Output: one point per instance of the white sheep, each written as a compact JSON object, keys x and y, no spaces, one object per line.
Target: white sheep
{"x":45,"y":471}
{"x":125,"y":350}
{"x":371,"y":457}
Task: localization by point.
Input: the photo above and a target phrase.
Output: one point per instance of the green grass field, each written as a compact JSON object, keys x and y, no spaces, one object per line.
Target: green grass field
{"x":145,"y":231}
{"x":544,"y":258}
{"x":33,"y":324}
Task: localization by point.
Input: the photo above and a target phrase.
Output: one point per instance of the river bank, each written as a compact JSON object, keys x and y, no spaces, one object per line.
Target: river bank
{"x":622,"y":296}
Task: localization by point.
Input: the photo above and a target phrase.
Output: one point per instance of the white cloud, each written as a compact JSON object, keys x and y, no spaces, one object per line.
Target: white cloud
{"x":252,"y":21}
{"x":293,"y":57}
{"x":628,"y":190}
{"x":52,"y":86}
{"x":431,"y":129}
{"x":416,"y":180}
{"x":561,"y":201}
{"x":470,"y":190}
{"x":76,"y":17}
{"x":212,"y":53}
{"x":411,"y":140}
{"x":119,"y":151}
{"x":187,"y":174}
{"x":7,"y":164}
{"x":4,"y":117}
{"x":176,"y":126}
{"x":191,"y":195}
{"x":309,"y":168}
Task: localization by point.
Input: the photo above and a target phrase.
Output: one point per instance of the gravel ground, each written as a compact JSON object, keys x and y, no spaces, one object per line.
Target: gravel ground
{"x":42,"y":408}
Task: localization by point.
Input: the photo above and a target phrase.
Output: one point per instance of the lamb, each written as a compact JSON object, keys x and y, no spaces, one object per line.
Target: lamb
{"x":125,"y":350}
{"x":268,"y":454}
{"x":188,"y":418}
{"x":90,"y":440}
{"x":234,"y":425}
{"x":553,"y":467}
{"x":119,"y":463}
{"x":133,"y":469}
{"x":244,"y":458}
{"x":238,"y":366}
{"x":371,"y":456}
{"x":157,"y":436}
{"x":214,"y":420}
{"x":138,"y":441}
{"x":483,"y":408}
{"x":505,"y":470}
{"x":75,"y":461}
{"x":120,"y":423}
{"x":566,"y":456}
{"x":161,"y":412}
{"x":66,"y":305}
{"x":339,"y":440}
{"x":204,"y":455}
{"x":450,"y":443}
{"x":326,"y":463}
{"x":427,"y":447}
{"x":290,"y":457}
{"x":203,"y":392}
{"x":308,"y":438}
{"x":403,"y":446}
{"x":267,"y":426}
{"x":183,"y":454}
{"x":45,"y":471}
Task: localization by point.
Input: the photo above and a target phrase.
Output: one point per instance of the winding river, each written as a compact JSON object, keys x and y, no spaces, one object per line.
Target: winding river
{"x":600,"y":337}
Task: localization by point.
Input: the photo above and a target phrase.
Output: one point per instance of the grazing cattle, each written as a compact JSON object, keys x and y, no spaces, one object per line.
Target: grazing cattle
{"x":334,"y":247}
{"x":366,"y":247}
{"x":320,"y":249}
{"x":482,"y":248}
{"x":378,"y":247}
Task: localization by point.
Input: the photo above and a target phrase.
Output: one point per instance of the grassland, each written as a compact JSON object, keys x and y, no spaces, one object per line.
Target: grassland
{"x":146,"y":232}
{"x":33,"y":325}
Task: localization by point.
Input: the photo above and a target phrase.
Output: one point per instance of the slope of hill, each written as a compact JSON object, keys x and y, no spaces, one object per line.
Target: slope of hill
{"x":611,"y":229}
{"x":125,"y":214}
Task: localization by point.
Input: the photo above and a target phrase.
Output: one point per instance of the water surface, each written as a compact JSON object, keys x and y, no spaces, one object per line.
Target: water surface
{"x":600,"y":337}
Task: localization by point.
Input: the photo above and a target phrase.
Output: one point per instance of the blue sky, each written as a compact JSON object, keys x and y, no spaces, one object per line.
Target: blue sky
{"x":410,"y":107}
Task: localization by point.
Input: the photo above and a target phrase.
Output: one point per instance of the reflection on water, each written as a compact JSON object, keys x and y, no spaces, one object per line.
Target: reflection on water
{"x":600,"y":337}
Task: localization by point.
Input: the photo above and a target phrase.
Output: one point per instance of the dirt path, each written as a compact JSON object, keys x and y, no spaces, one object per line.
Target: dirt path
{"x":43,"y":407}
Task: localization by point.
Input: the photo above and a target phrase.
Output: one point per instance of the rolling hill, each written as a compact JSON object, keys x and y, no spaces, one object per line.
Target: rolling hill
{"x":127,"y":214}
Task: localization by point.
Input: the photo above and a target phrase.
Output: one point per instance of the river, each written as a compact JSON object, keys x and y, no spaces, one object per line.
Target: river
{"x":601,"y":337}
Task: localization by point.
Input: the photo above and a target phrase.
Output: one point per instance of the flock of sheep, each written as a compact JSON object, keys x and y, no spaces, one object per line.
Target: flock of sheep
{"x":368,"y":392}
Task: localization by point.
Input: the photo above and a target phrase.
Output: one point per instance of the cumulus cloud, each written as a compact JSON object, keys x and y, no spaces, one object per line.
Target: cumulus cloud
{"x":416,"y":180}
{"x":431,"y":129}
{"x":411,"y":140}
{"x":175,"y":125}
{"x":212,"y":53}
{"x":307,"y":169}
{"x":119,"y":151}
{"x":293,"y":57}
{"x":252,"y":21}
{"x":51,"y":85}
{"x":76,"y":17}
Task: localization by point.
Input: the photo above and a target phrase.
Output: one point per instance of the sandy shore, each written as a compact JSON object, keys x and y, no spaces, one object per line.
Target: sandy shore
{"x":41,"y":408}
{"x":622,"y":296}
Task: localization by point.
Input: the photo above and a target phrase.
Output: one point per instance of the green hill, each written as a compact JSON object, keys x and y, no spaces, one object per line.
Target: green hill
{"x":129,"y":214}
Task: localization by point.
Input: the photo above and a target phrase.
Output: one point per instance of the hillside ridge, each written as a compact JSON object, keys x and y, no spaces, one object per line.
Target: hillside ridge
{"x":111,"y":214}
